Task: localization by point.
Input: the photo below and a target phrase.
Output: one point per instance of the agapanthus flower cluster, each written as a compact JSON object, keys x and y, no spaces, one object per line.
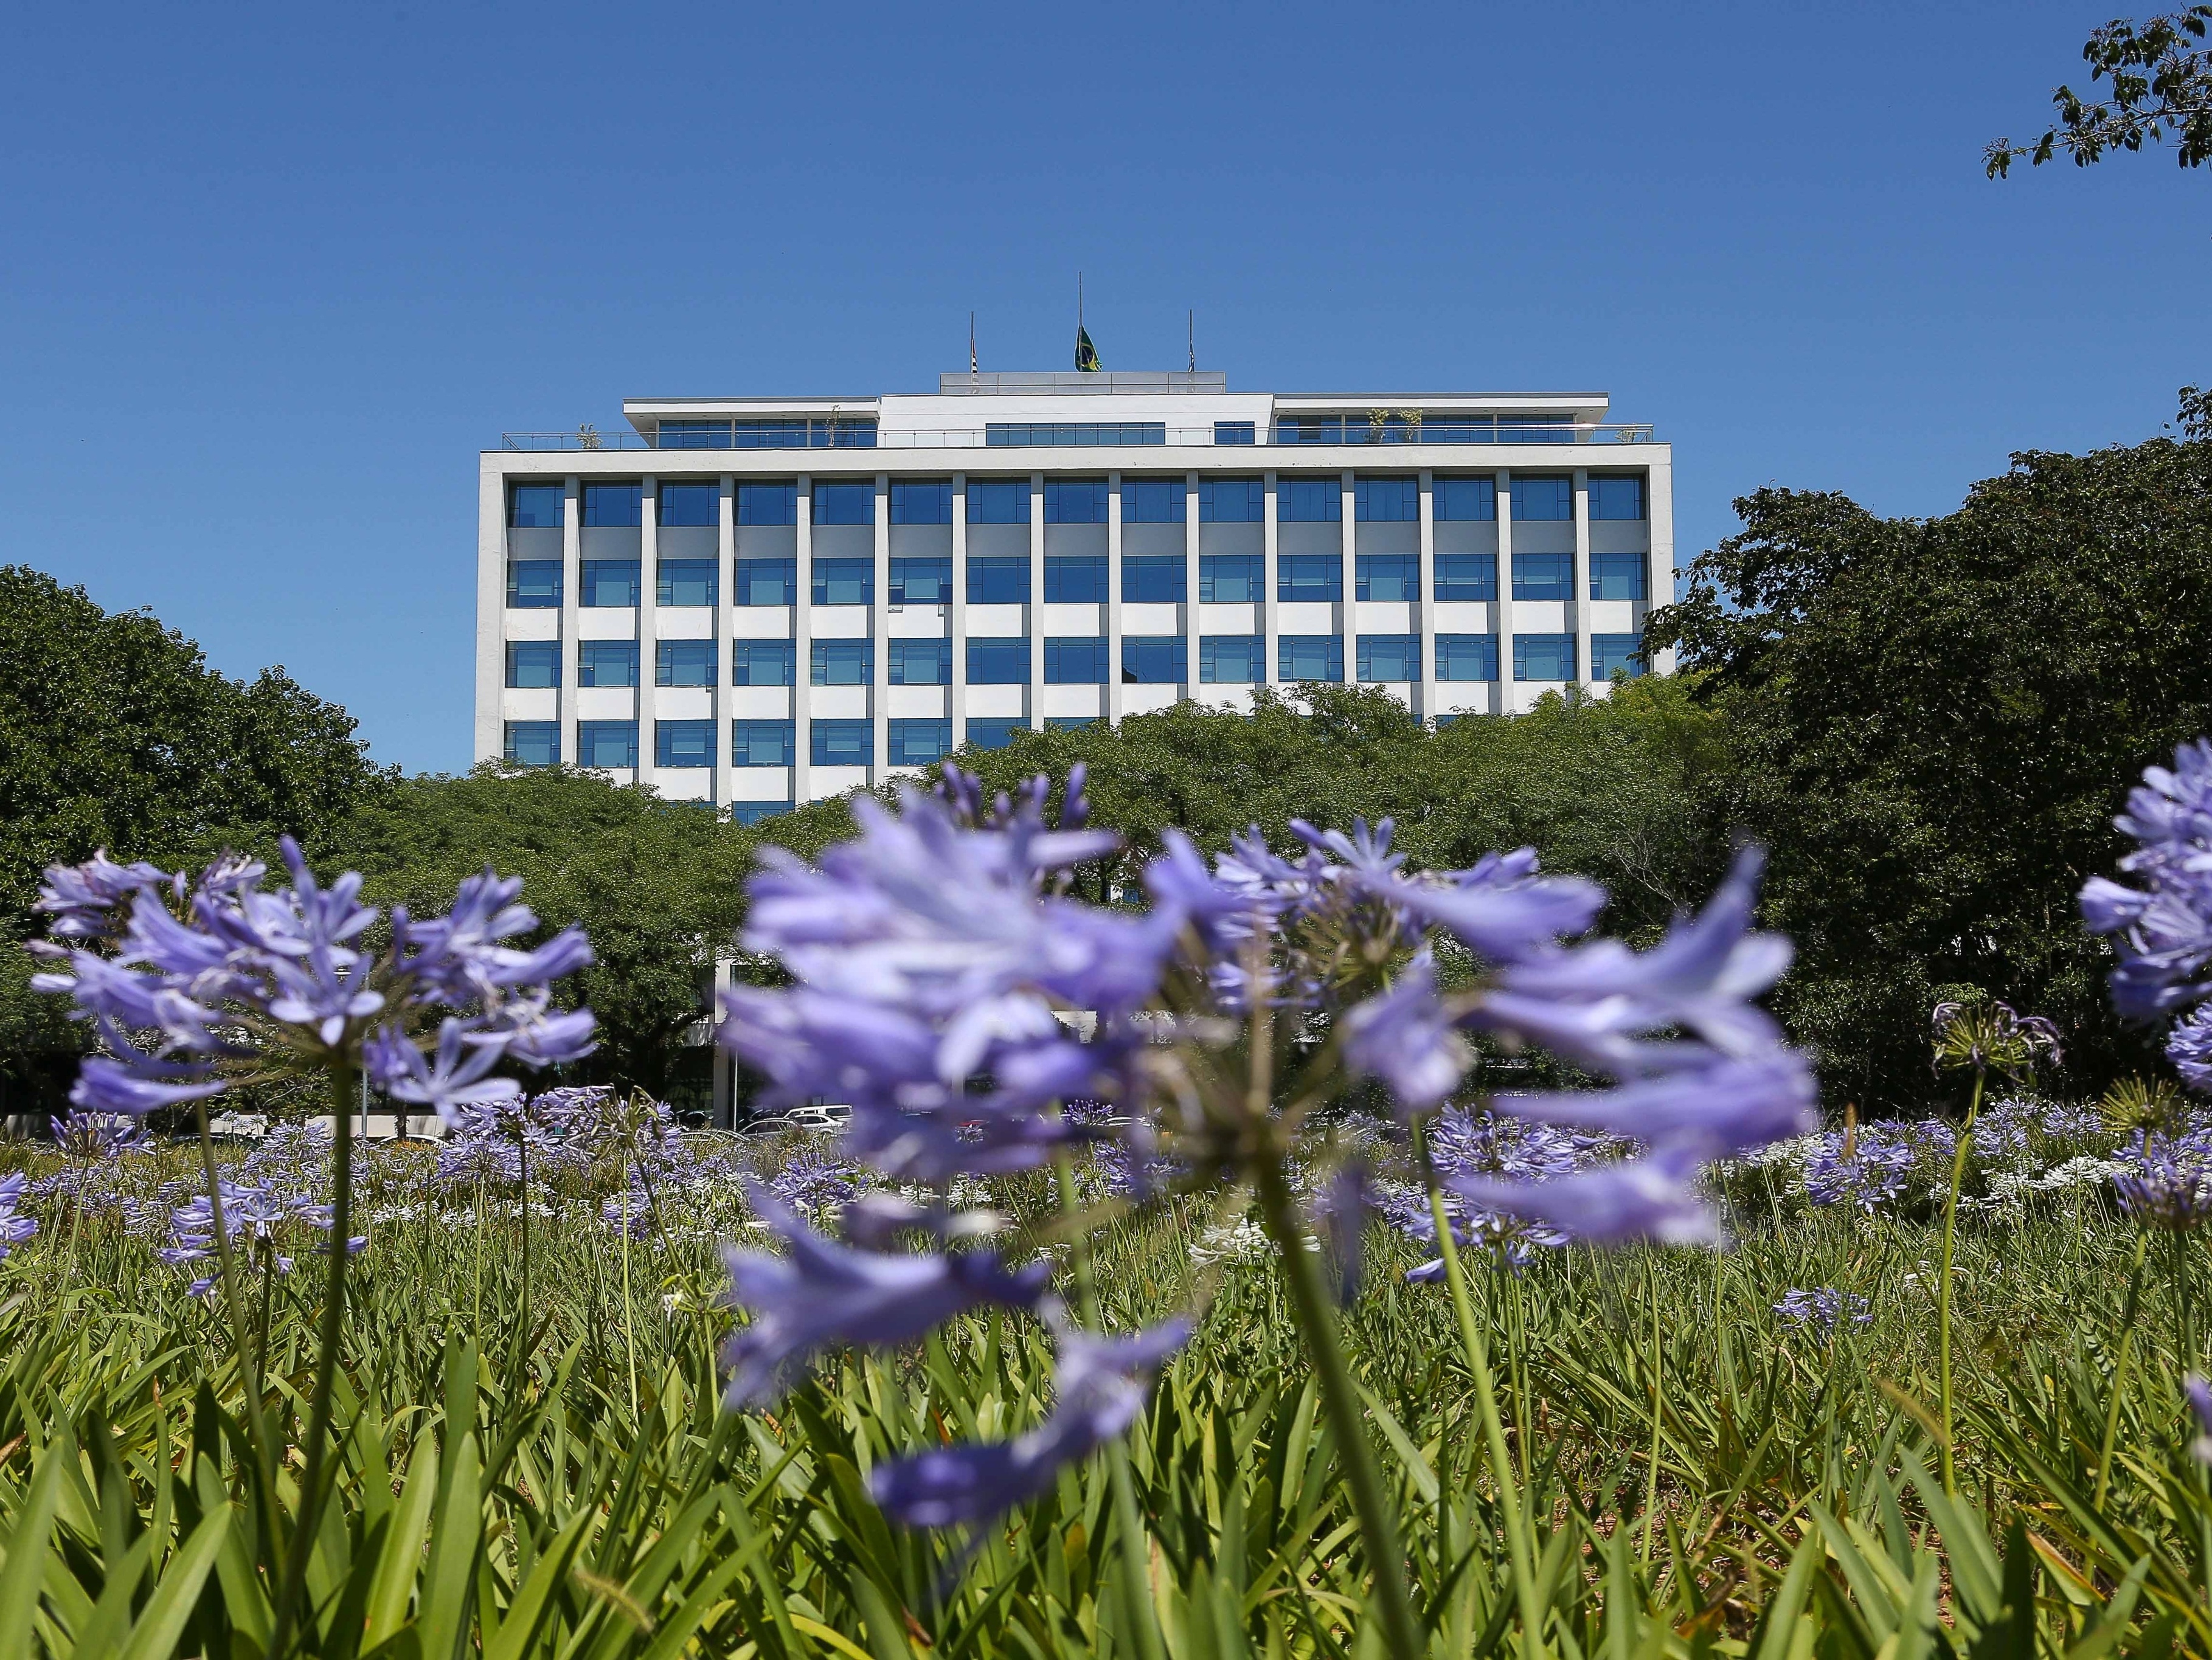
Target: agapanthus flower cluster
{"x":1866,"y":1169}
{"x":951,"y":991}
{"x":1820,"y":1309}
{"x":14,"y":1227}
{"x":255,"y":1215}
{"x":2167,"y":1181}
{"x":194,"y":984}
{"x":2162,"y":930}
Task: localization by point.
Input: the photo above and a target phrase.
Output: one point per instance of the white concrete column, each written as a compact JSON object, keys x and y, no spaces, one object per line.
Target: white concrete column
{"x":1267,"y":612}
{"x":879,"y":666}
{"x":1504,"y":704}
{"x":958,"y":616}
{"x":1423,"y":614}
{"x":726,"y":658}
{"x":1114,"y":596}
{"x":491,"y":614}
{"x":1190,"y":687}
{"x":1659,"y":572}
{"x":648,"y":622}
{"x":1582,"y":578}
{"x":802,"y":650}
{"x":1036,"y":600}
{"x":572,"y":597}
{"x":1347,"y":604}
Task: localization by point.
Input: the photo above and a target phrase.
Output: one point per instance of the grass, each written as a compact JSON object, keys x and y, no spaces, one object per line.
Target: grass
{"x":521,"y":1491}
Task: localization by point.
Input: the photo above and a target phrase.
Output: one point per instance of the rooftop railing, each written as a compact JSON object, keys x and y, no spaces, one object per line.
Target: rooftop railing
{"x":1304,"y":433}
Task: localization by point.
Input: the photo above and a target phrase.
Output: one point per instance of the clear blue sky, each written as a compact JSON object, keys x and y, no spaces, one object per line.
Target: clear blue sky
{"x":270,"y":277}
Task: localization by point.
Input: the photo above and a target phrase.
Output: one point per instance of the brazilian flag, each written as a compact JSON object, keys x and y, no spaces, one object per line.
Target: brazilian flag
{"x":1087,"y":354}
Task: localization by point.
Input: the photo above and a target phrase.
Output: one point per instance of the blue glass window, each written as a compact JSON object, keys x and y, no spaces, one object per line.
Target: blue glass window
{"x":767,"y":504}
{"x":767,"y":581}
{"x":922,"y":581}
{"x":683,"y":743}
{"x":606,"y":662}
{"x":1236,"y":432}
{"x":994,"y":731}
{"x":534,"y":663}
{"x":999,"y":661}
{"x":1543,"y":497}
{"x":1389,"y":656}
{"x":762,"y":742}
{"x":1309,"y":657}
{"x":1231,"y":579}
{"x":691,"y":436}
{"x":844,"y":743}
{"x":534,"y":743}
{"x":1154,"y":660}
{"x":1075,"y":581}
{"x":1543,"y":576}
{"x":1232,"y":500}
{"x":1543,"y":657}
{"x":1017,"y":434}
{"x":1310,"y":500}
{"x":1309,"y":577}
{"x":609,"y":743}
{"x":1387,"y":501}
{"x":1075,"y":501}
{"x":844,"y":663}
{"x":1467,"y":656}
{"x":998,"y":580}
{"x":1616,"y":497}
{"x":1154,"y":579}
{"x":612,"y":582}
{"x":1075,"y":660}
{"x":844,"y":504}
{"x":614,"y":504}
{"x":1232,"y":659}
{"x":1466,"y":576}
{"x":1461,"y":499}
{"x":756,"y":812}
{"x":1387,"y":576}
{"x":1617,"y":576}
{"x":922,"y":501}
{"x":534,"y":507}
{"x":1609,"y":652}
{"x":685,"y":663}
{"x":844,"y":581}
{"x":533,"y":585}
{"x":921,"y":662}
{"x":1535,"y":429}
{"x":763,"y":662}
{"x":685,"y":581}
{"x":1069,"y":723}
{"x":998,"y":501}
{"x":918,"y":742}
{"x":694,"y":505}
{"x":1153,"y":500}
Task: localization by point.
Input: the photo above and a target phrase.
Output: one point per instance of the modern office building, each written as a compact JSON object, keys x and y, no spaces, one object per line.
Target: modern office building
{"x":757,"y":601}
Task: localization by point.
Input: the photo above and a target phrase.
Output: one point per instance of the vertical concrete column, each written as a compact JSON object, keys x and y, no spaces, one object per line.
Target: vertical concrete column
{"x":1424,"y":615}
{"x":1114,"y":596}
{"x":649,"y":623}
{"x":1036,"y":600}
{"x":802,"y":650}
{"x":1347,"y":607}
{"x":726,"y":669}
{"x":1190,"y":585}
{"x":1582,"y":579}
{"x":1659,"y":530}
{"x":491,"y":615}
{"x":1266,"y":612}
{"x":572,"y":597}
{"x":957,"y":614}
{"x":1504,"y":704}
{"x":879,"y":668}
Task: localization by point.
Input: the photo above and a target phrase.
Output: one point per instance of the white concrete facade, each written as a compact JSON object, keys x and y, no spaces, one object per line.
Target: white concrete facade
{"x":1264,"y":495}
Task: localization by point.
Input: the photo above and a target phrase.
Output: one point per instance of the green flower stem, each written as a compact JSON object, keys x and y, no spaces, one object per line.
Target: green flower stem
{"x":1658,"y":1361}
{"x":1309,"y":1300}
{"x":318,"y":1464}
{"x":2120,"y":1370}
{"x":1128,"y":1521}
{"x":1485,"y":1400}
{"x":1943,"y":1284}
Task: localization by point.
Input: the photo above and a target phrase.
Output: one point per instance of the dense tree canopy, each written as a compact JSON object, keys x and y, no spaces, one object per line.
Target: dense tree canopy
{"x":1932,"y":725}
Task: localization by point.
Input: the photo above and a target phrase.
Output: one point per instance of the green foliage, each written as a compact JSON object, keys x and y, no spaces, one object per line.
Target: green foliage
{"x":658,"y":886}
{"x":2161,"y":77}
{"x":1932,"y":725}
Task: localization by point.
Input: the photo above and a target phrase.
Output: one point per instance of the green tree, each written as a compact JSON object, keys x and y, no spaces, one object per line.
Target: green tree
{"x":2162,"y":82}
{"x":1932,"y":725}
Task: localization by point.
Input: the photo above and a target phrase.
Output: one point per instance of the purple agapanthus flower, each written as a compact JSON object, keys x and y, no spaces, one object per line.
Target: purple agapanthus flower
{"x":1404,"y":1036}
{"x":2198,"y":1394}
{"x":1101,"y":1386}
{"x":14,"y":1227}
{"x":2164,"y":929}
{"x":1871,"y":1174}
{"x":824,"y":1294}
{"x":1649,"y":1198}
{"x":2168,"y":1183}
{"x":97,"y":1135}
{"x":1821,"y":1308}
